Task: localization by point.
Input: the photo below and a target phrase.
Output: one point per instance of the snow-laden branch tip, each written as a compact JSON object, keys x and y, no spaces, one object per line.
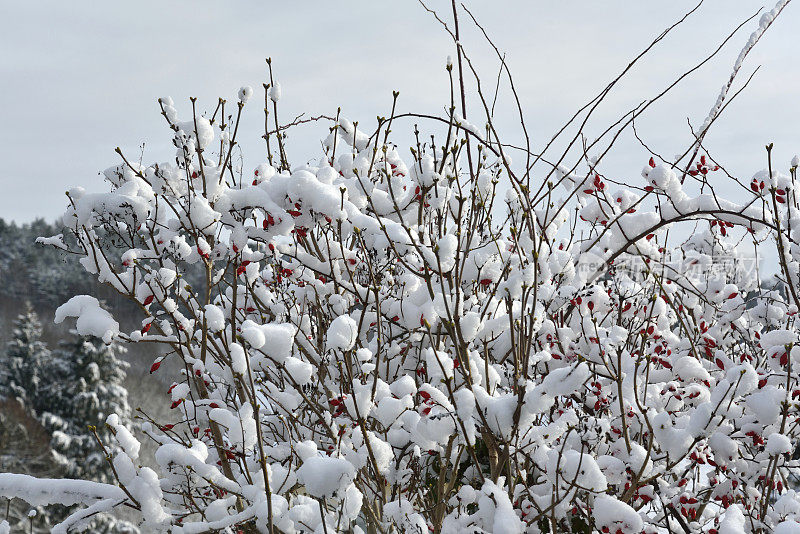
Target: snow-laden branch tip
{"x":92,"y":319}
{"x":44,"y":491}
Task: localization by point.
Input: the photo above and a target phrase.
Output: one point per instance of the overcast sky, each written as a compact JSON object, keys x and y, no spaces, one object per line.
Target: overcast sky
{"x":80,"y":78}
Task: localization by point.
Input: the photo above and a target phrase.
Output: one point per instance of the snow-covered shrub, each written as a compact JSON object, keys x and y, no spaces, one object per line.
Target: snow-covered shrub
{"x":448,"y":341}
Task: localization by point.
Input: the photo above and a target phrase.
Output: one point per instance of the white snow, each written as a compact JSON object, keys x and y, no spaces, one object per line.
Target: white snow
{"x":342,"y":333}
{"x":92,"y":319}
{"x":275,"y":340}
{"x":215,"y":318}
{"x":299,"y":370}
{"x":325,"y":476}
{"x":275,"y":92}
{"x":44,"y":491}
{"x":238,"y":358}
{"x":245,"y":93}
{"x":124,"y":437}
{"x":616,"y":515}
{"x":778,"y":444}
{"x":733,"y":521}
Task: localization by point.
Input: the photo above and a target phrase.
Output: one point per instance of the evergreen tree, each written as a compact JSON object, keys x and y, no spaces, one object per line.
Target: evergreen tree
{"x":90,"y":389}
{"x":26,"y":381}
{"x":24,"y":371}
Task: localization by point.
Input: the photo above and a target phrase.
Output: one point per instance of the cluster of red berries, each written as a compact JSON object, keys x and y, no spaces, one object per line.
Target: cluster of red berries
{"x":427,"y":401}
{"x":269,"y":220}
{"x":702,"y":167}
{"x":723,"y":226}
{"x":338,"y":405}
{"x":598,"y":185}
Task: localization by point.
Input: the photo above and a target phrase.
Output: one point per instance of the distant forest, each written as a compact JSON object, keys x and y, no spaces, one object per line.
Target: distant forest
{"x":41,"y":275}
{"x":47,"y":277}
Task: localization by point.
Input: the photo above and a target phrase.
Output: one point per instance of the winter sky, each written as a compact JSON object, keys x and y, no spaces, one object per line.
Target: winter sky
{"x":80,"y":78}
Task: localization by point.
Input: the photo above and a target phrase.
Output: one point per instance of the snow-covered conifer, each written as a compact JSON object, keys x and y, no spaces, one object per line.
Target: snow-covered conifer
{"x":90,"y":387}
{"x":24,"y":373}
